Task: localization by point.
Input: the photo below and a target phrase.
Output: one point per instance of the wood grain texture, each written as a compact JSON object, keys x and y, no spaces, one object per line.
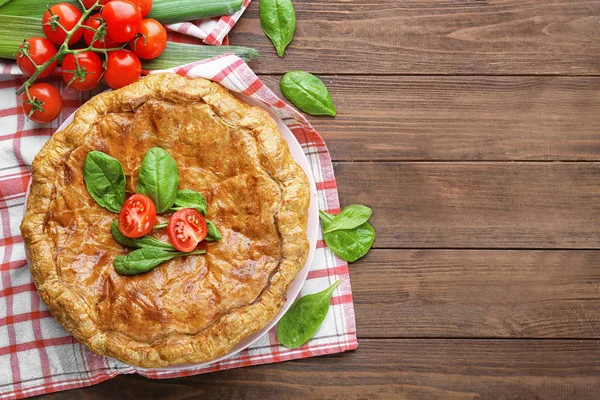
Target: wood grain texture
{"x":496,"y":37}
{"x":393,"y":369}
{"x":461,"y":118}
{"x":477,"y":205}
{"x":471,"y":293}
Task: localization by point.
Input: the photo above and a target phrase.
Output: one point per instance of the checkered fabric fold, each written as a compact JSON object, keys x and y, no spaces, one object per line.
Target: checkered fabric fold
{"x":36,"y":354}
{"x":212,"y":31}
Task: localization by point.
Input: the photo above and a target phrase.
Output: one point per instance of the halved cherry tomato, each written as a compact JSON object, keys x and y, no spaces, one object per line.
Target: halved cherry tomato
{"x":186,"y":229}
{"x":89,"y":3}
{"x":122,"y":68}
{"x":96,"y":22}
{"x":90,"y":70}
{"x":123,"y":20}
{"x":137,"y":216}
{"x":45,"y":100}
{"x":152,"y":39}
{"x":144,"y":5}
{"x":68,"y":16}
{"x":40,"y":50}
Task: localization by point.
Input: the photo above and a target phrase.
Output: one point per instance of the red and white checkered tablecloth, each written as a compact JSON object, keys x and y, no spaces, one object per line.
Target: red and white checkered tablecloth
{"x":36,"y":354}
{"x":212,"y":31}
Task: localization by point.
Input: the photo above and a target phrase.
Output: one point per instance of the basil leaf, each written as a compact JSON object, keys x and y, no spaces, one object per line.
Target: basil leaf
{"x":350,"y":217}
{"x":304,"y":318}
{"x":308,"y":93}
{"x":213,"y":232}
{"x":146,"y":259}
{"x":158,"y":178}
{"x":146,"y":241}
{"x":105,"y":180}
{"x":348,"y":244}
{"x":190,"y":199}
{"x":278,"y":21}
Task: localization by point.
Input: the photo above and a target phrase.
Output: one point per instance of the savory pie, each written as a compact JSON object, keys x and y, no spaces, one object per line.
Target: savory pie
{"x":190,"y":309}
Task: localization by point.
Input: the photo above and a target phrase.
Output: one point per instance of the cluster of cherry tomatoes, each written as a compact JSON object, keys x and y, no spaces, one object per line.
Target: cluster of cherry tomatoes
{"x":117,"y":30}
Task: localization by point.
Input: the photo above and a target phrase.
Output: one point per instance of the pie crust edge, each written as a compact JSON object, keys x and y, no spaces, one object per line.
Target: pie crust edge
{"x":73,"y":312}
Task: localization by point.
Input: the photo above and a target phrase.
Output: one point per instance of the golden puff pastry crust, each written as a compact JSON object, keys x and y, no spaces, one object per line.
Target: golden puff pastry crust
{"x":191,"y":309}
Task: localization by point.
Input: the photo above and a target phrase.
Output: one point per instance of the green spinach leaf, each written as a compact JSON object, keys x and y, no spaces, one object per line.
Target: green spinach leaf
{"x":161,"y":225}
{"x":308,"y":93}
{"x":213,"y":232}
{"x":190,"y":199}
{"x":348,"y":244}
{"x":158,"y":178}
{"x":350,"y":217}
{"x":145,"y":241}
{"x":105,"y":180}
{"x":278,"y":21}
{"x":146,"y":259}
{"x":304,"y":318}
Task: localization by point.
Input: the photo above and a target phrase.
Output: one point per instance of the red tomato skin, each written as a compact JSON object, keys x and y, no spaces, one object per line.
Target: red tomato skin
{"x":68,"y":16}
{"x":186,"y":228}
{"x":89,"y":3}
{"x":144,"y":5}
{"x":92,"y":64}
{"x":122,"y":68}
{"x":123,"y":20}
{"x":144,"y":220}
{"x":155,"y":43}
{"x":52,"y":102}
{"x":94,"y":22}
{"x":40,"y":50}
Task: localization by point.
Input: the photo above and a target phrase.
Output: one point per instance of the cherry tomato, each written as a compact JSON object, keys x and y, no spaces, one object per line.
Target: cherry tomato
{"x":123,"y":19}
{"x":152,"y":41}
{"x":45,"y":100}
{"x":137,"y":216}
{"x":122,"y":68}
{"x":40,"y":50}
{"x":144,"y":5}
{"x":68,"y":16}
{"x":186,"y":229}
{"x":89,"y":3}
{"x":96,"y":22}
{"x":90,"y":70}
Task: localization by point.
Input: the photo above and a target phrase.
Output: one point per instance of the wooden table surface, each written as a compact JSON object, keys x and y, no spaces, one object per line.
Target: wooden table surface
{"x":472,"y":128}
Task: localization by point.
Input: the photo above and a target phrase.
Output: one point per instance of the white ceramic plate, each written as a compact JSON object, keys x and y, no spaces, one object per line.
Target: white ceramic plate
{"x":312,"y":232}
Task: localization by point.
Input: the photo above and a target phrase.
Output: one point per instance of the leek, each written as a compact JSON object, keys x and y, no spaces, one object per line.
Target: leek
{"x":180,"y":53}
{"x":164,"y":11}
{"x":13,"y":30}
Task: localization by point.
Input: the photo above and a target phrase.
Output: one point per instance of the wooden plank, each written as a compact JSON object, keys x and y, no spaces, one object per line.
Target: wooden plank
{"x":474,"y":293}
{"x":496,"y":37}
{"x":385,"y":369}
{"x":477,"y":205}
{"x":461,"y":118}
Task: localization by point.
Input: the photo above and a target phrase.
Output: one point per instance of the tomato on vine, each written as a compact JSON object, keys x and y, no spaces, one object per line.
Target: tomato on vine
{"x":151,"y":41}
{"x":102,"y":41}
{"x":39,"y":50}
{"x":65,"y":15}
{"x":82,"y":72}
{"x":122,"y":68}
{"x":123,"y":20}
{"x":144,"y":5}
{"x":43,"y":104}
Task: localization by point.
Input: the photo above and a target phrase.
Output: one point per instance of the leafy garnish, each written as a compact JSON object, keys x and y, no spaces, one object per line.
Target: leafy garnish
{"x":105,"y":180}
{"x":304,"y":318}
